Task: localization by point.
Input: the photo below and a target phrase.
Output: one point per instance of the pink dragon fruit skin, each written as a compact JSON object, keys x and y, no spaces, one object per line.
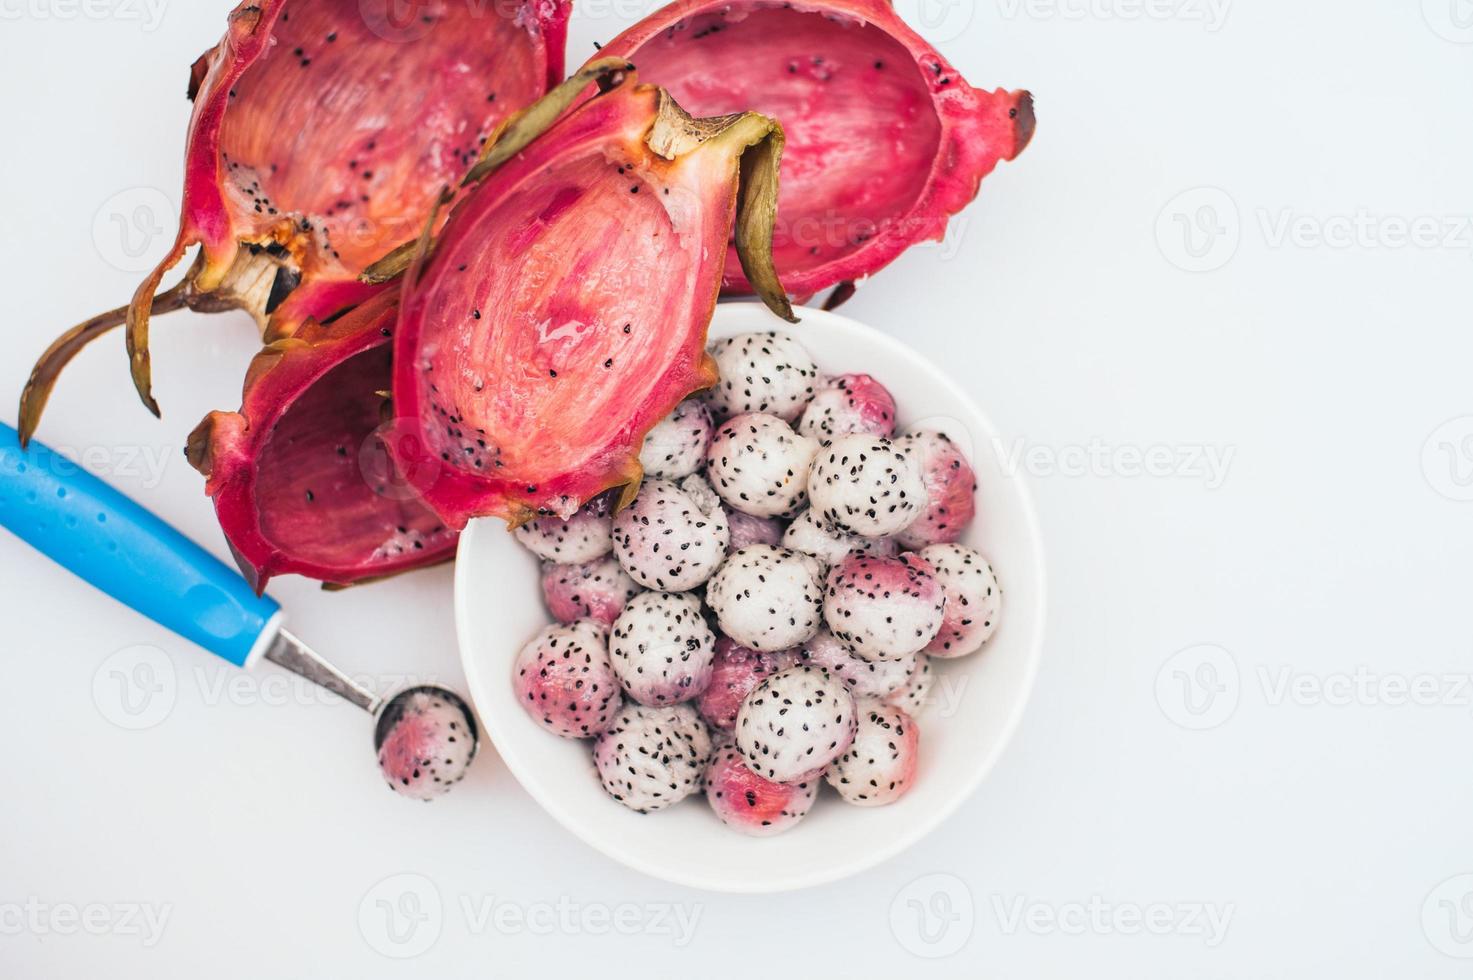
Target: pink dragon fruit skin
{"x":885,"y":139}
{"x":564,"y":680}
{"x":737,"y":669}
{"x":594,"y":590}
{"x":846,"y":404}
{"x":880,"y":766}
{"x":951,"y":491}
{"x":426,"y":746}
{"x":751,"y":805}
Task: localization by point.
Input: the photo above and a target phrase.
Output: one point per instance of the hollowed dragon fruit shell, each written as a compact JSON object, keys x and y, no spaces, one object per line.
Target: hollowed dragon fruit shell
{"x":299,"y":476}
{"x":885,"y":139}
{"x":322,"y":132}
{"x":563,"y":309}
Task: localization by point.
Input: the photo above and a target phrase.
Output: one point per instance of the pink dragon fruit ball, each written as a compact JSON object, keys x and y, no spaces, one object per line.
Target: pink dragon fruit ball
{"x":661,"y":648}
{"x":676,"y":446}
{"x":794,"y":723}
{"x":650,"y":757}
{"x":913,"y":696}
{"x":865,"y":679}
{"x":749,"y":529}
{"x":587,"y":535}
{"x":761,"y":372}
{"x":951,"y":490}
{"x":973,"y":599}
{"x":594,"y":590}
{"x":884,"y":608}
{"x":737,"y":669}
{"x":846,"y":404}
{"x":880,"y":765}
{"x":425,"y":743}
{"x":751,"y":805}
{"x":565,"y":681}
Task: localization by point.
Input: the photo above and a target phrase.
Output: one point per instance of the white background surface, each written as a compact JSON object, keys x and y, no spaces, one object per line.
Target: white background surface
{"x":1334,"y":550}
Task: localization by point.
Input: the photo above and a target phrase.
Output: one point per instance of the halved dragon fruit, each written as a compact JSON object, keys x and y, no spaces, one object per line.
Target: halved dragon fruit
{"x":562,"y":310}
{"x":322,"y":132}
{"x":300,"y":477}
{"x":885,"y":139}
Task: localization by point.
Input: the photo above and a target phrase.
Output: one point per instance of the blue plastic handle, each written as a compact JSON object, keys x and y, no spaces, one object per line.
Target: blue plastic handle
{"x":91,"y":529}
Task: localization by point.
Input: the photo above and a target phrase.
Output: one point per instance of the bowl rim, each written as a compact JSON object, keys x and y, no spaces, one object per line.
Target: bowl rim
{"x":889,"y":347}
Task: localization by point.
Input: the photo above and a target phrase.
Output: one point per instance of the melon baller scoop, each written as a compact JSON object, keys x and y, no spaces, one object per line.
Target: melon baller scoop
{"x":425,"y":735}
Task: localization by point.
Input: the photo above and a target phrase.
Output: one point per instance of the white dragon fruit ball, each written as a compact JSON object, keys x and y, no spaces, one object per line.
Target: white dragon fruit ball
{"x":673,"y":536}
{"x":846,"y":404}
{"x":425,"y":744}
{"x":676,"y":446}
{"x":594,"y":590}
{"x":795,"y":723}
{"x":762,"y":372}
{"x":951,"y":490}
{"x":564,"y":680}
{"x":879,"y":767}
{"x":865,"y":485}
{"x":884,"y":608}
{"x":749,"y":529}
{"x":973,"y":599}
{"x":864,"y":679}
{"x":767,"y":598}
{"x":759,"y":465}
{"x":661,"y":648}
{"x":651,"y":757}
{"x":583,"y":537}
{"x":811,"y":535}
{"x":751,"y":805}
{"x":736,"y":670}
{"x":916,"y":693}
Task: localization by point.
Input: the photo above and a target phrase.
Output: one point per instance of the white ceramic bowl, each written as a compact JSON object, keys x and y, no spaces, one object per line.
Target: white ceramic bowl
{"x":974,"y":707}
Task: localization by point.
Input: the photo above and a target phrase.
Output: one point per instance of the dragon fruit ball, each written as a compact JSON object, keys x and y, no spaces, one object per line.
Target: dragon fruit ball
{"x":676,"y":446}
{"x":767,"y":598}
{"x":673,"y":536}
{"x":846,"y":404}
{"x":884,"y":608}
{"x":865,"y":679}
{"x":916,"y":692}
{"x":759,"y":465}
{"x":594,"y":590}
{"x":866,"y":485}
{"x":794,"y":723}
{"x":751,"y":805}
{"x":880,"y":765}
{"x":735,"y":671}
{"x":811,"y":535}
{"x":661,"y":648}
{"x":583,"y":537}
{"x":565,"y":681}
{"x":973,"y":599}
{"x":762,"y":372}
{"x":749,"y":529}
{"x":651,"y":757}
{"x":426,"y":742}
{"x":951,"y":490}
